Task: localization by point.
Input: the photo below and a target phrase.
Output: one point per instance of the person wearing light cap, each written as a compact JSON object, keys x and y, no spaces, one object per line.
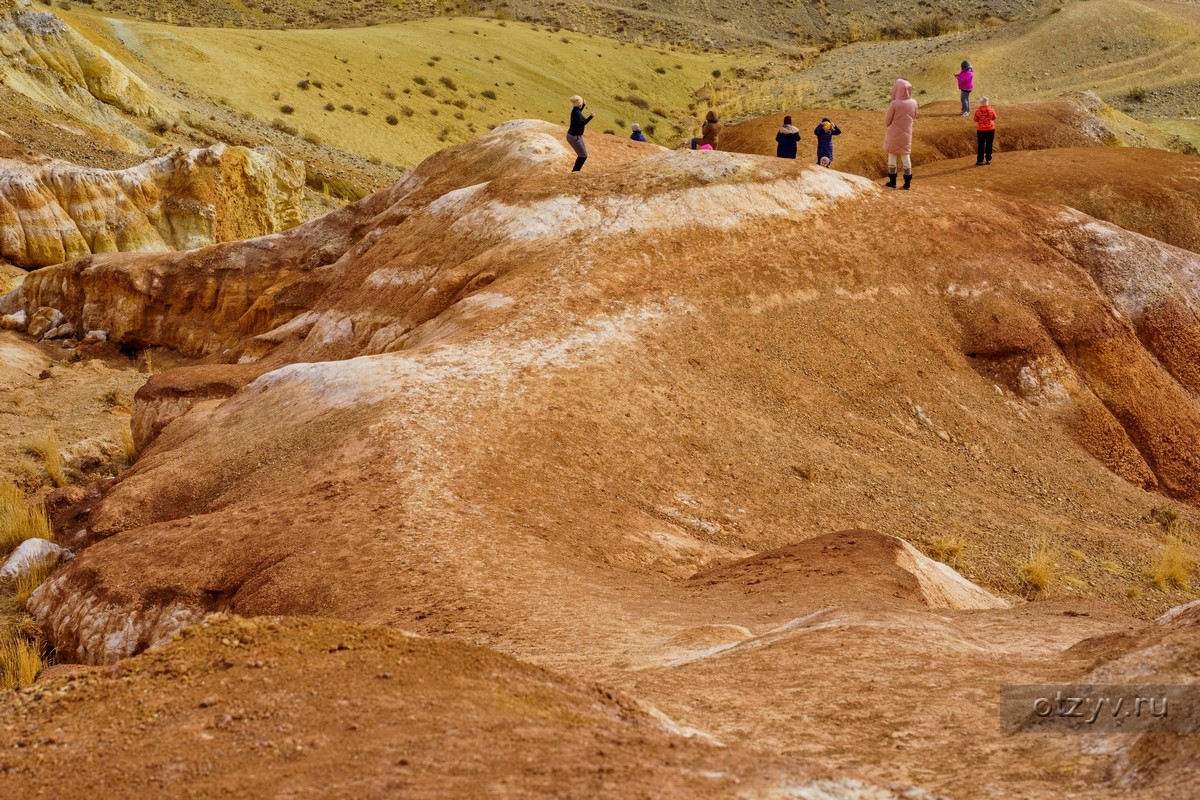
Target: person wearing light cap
{"x":985,"y":132}
{"x":575,"y":131}
{"x":637,"y":134}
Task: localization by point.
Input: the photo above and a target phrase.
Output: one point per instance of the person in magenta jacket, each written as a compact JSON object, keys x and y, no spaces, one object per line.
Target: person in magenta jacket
{"x":966,"y":84}
{"x":897,"y":141}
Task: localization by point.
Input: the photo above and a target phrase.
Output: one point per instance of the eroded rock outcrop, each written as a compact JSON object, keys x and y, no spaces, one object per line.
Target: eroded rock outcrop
{"x":52,"y":211}
{"x":560,"y":414}
{"x":44,"y":59}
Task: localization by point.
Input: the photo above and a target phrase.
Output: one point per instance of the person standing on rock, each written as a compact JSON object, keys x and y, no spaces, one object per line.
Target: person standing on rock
{"x":897,"y":141}
{"x":787,"y":139}
{"x":985,"y":133}
{"x":575,"y":131}
{"x":825,"y":133}
{"x":709,"y":133}
{"x":966,"y":85}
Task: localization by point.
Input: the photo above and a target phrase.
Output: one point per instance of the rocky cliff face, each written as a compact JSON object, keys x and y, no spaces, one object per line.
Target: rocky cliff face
{"x":52,"y":211}
{"x":44,"y":59}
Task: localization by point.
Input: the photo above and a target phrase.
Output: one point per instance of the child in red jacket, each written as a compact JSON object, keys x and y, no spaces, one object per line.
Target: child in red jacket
{"x":985,"y":133}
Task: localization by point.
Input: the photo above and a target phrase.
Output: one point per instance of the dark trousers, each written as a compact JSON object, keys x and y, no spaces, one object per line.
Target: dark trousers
{"x":984,"y":150}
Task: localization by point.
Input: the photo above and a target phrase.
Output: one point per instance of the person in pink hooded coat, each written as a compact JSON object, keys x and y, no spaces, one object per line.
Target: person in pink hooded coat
{"x":897,"y":142}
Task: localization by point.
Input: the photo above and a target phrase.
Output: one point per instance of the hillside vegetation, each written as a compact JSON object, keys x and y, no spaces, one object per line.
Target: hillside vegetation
{"x":399,"y":92}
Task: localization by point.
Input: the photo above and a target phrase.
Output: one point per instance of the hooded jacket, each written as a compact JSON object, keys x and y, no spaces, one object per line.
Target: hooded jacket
{"x":966,"y":80}
{"x":899,"y":119}
{"x":787,"y":137}
{"x":985,"y":118}
{"x":825,"y":140}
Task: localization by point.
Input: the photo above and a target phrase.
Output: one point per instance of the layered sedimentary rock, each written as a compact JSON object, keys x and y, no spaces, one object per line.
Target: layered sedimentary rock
{"x":44,"y":59}
{"x":52,"y":211}
{"x":607,"y":421}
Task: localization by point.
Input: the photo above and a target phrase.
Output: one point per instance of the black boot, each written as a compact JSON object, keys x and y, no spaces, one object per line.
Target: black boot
{"x":579,"y":163}
{"x":907,"y":179}
{"x":891,"y":184}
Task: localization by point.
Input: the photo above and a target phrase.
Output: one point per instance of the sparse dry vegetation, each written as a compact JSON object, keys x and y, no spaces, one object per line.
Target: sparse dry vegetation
{"x":1173,"y":566}
{"x":947,"y":549}
{"x":20,"y":519}
{"x":1037,"y":574}
{"x":46,"y":448}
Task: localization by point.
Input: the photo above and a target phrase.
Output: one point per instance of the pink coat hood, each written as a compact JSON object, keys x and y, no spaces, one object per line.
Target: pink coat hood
{"x":899,"y":119}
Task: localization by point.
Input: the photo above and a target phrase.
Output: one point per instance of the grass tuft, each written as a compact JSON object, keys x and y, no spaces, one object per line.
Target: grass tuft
{"x":947,"y":549}
{"x":1174,"y":566}
{"x":21,"y":659}
{"x":1037,"y":574}
{"x":46,"y":448}
{"x":20,"y":519}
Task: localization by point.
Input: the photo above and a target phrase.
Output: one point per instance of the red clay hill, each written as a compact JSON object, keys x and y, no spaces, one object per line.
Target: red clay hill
{"x":613,"y":422}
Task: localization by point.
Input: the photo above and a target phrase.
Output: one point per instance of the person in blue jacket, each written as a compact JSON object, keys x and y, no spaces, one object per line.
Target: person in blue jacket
{"x":825,"y":133}
{"x":787,"y":137}
{"x":637,"y":134}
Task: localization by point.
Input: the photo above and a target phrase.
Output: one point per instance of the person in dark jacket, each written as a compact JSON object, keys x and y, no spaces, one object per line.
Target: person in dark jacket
{"x":710,"y":131}
{"x":787,"y":138}
{"x":575,"y":131}
{"x":825,"y":133}
{"x":637,"y":134}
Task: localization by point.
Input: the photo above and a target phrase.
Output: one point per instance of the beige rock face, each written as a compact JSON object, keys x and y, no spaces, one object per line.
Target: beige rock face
{"x":44,"y":59}
{"x":52,"y":211}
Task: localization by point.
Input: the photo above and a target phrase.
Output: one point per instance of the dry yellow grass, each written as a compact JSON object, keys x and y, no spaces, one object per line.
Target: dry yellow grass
{"x":20,"y":519}
{"x":1174,"y":565}
{"x":947,"y":549}
{"x":47,"y":449}
{"x":1037,"y":574}
{"x":27,"y":582}
{"x":21,"y":659}
{"x":128,"y":447}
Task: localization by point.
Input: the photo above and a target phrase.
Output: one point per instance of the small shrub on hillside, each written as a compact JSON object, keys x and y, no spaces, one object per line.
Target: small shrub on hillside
{"x":346,"y":107}
{"x":304,"y":84}
{"x":285,"y":109}
{"x":318,"y":84}
{"x":1137,"y":94}
{"x":459,"y":104}
{"x":364,"y":112}
{"x":390,"y":94}
{"x":419,"y":80}
{"x":406,"y":111}
{"x":932,"y":25}
{"x":489,"y":94}
{"x":448,"y":82}
{"x":716,"y":73}
{"x":429,"y":92}
{"x":330,"y":107}
{"x":392,"y":119}
{"x":661,"y":70}
{"x":283,"y":127}
{"x":640,"y":102}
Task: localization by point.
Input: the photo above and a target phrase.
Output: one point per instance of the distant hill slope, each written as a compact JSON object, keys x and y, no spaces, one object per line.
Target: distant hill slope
{"x":691,"y":22}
